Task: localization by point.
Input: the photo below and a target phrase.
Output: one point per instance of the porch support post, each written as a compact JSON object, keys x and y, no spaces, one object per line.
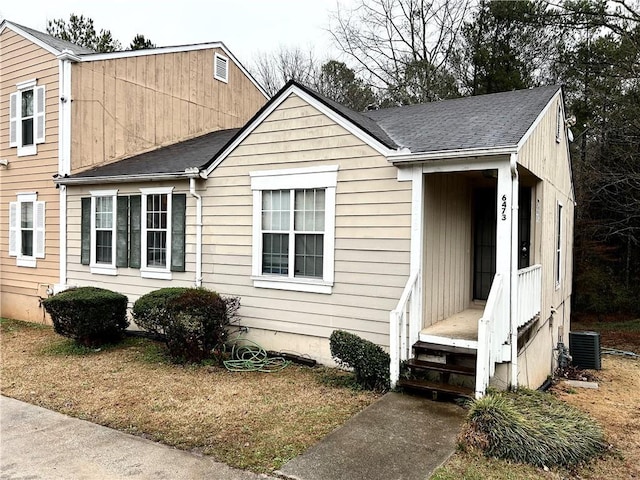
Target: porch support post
{"x":417,"y":246}
{"x":515,"y":250}
{"x":502,"y":322}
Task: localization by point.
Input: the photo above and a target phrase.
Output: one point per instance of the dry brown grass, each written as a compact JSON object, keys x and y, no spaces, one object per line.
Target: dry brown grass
{"x":615,"y":405}
{"x":255,"y":421}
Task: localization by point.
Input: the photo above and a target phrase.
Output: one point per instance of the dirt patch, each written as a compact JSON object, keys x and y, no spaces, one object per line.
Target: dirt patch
{"x":250,"y":420}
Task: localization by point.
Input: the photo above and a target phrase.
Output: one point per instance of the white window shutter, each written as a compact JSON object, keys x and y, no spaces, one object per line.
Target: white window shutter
{"x":13,"y":120}
{"x":13,"y":229}
{"x":39,"y":114}
{"x":38,"y":222}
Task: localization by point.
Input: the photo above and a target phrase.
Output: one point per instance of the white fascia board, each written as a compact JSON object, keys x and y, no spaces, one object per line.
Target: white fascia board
{"x":28,"y":36}
{"x":121,"y":179}
{"x":417,"y":157}
{"x":293,"y":89}
{"x":94,"y":57}
{"x":538,"y":119}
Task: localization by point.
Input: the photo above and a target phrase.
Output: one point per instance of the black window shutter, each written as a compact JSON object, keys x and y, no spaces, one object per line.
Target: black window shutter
{"x":135,"y":226}
{"x":178,"y":213}
{"x":85,"y":231}
{"x":122,"y":232}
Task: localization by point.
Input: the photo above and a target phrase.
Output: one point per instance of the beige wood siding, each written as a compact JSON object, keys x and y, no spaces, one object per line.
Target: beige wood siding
{"x":20,"y":287}
{"x":128,"y":280}
{"x":549,"y":161}
{"x":373,"y":218}
{"x":447,"y":250}
{"x":130,"y":105}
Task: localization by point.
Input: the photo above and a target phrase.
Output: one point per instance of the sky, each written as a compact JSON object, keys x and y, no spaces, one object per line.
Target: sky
{"x":247,"y":27}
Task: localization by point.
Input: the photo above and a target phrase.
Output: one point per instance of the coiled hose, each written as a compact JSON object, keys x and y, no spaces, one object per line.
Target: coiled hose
{"x":248,"y":356}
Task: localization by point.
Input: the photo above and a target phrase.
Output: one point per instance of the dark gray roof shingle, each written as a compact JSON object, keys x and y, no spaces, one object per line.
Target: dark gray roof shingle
{"x":483,"y":121}
{"x":54,"y":42}
{"x":174,"y":158}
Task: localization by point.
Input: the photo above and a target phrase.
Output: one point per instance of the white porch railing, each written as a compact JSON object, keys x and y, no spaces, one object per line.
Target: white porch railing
{"x":529,"y":294}
{"x":402,"y":321}
{"x":490,"y":338}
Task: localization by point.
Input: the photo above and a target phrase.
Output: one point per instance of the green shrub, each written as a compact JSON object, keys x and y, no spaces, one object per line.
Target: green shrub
{"x":150,"y":311}
{"x":369,"y":362}
{"x":89,"y":315}
{"x":193,"y":321}
{"x":533,"y":427}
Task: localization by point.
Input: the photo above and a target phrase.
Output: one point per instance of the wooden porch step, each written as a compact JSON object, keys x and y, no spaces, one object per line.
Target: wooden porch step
{"x":440,"y":367}
{"x":431,"y":387}
{"x":425,"y":347}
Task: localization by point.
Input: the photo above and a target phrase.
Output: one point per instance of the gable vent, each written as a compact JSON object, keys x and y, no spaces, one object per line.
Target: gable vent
{"x":221,"y":68}
{"x":585,"y":349}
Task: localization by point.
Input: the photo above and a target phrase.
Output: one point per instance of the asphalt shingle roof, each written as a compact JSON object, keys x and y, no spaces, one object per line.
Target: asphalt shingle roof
{"x":174,"y":158}
{"x":483,"y":121}
{"x":54,"y":42}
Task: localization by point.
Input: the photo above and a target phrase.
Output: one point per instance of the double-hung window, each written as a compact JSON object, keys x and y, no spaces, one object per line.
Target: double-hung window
{"x":156,"y":232}
{"x":26,"y":229}
{"x":27,"y":117}
{"x":103,"y":232}
{"x":294,"y":228}
{"x":143,"y":230}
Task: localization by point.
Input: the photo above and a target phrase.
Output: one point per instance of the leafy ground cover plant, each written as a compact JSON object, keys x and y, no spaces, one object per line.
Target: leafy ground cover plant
{"x":533,"y":427}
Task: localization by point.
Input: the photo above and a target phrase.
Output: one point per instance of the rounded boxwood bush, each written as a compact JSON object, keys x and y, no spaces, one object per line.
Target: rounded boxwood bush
{"x":369,"y":362}
{"x":192,"y":320}
{"x":150,"y":310}
{"x":89,"y":315}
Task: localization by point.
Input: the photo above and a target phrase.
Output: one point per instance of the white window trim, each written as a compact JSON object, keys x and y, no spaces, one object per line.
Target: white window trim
{"x":224,"y":79}
{"x":558,"y":236}
{"x":325,"y":177}
{"x":25,"y":260}
{"x":151,"y":272}
{"x":30,"y":150}
{"x":103,"y":268}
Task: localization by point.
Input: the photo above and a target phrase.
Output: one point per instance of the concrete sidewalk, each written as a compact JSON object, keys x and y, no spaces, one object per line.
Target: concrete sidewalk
{"x":398,"y":437}
{"x":40,"y":444}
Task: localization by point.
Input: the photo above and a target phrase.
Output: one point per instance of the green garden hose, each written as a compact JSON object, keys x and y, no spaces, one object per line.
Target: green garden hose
{"x":248,"y":356}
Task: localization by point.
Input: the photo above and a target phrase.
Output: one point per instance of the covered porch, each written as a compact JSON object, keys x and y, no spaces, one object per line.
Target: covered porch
{"x":474,"y":282}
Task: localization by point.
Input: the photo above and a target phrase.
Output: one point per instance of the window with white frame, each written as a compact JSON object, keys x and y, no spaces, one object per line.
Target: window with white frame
{"x":103,"y":223}
{"x":26,"y":229}
{"x":220,"y":68}
{"x":144,"y":231}
{"x":294,"y":228}
{"x":558,"y":245}
{"x":27,"y":117}
{"x":156,"y":232}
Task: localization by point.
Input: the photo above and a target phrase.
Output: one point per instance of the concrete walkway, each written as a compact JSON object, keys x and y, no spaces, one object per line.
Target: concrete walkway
{"x":40,"y":444}
{"x":398,"y":437}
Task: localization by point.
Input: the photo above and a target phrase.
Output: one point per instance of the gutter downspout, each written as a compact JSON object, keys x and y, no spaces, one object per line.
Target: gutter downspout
{"x":193,"y":174}
{"x":65,"y":60}
{"x":513,"y":300}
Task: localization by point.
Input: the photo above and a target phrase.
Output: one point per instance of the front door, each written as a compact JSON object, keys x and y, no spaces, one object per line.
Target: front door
{"x":484,"y":241}
{"x":484,"y":238}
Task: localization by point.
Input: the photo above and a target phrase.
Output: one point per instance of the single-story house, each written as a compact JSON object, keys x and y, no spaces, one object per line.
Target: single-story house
{"x":441,"y":232}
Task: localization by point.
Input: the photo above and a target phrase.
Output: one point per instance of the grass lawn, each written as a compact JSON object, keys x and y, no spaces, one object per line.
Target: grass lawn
{"x":254,"y":420}
{"x":615,"y":405}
